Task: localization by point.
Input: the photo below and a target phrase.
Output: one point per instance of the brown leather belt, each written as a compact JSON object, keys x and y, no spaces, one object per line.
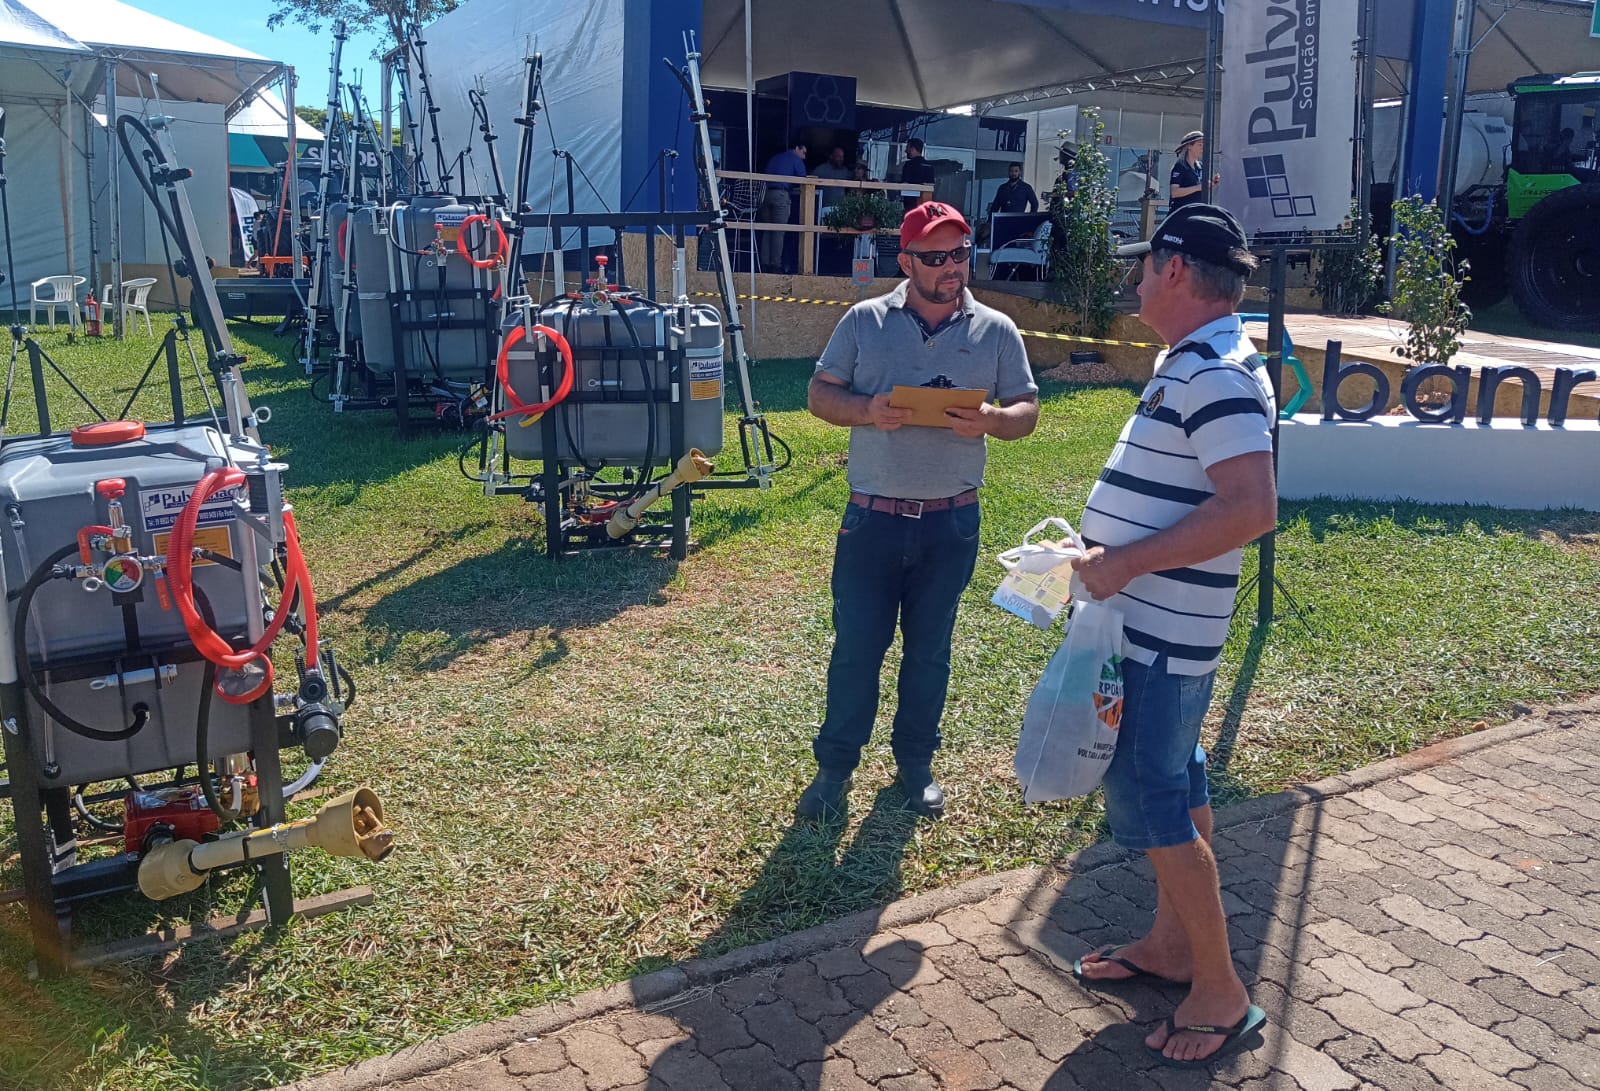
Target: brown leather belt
{"x":914,"y":509}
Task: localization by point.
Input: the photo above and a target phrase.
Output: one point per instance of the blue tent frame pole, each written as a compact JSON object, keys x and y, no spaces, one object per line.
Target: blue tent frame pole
{"x":1430,"y":63}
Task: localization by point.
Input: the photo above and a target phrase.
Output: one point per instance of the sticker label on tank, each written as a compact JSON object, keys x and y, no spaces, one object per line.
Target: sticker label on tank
{"x":161,"y":507}
{"x":705,"y":378}
{"x":214,"y":539}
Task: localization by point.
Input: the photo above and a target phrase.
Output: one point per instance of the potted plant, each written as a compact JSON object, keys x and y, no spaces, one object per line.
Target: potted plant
{"x":863,"y":210}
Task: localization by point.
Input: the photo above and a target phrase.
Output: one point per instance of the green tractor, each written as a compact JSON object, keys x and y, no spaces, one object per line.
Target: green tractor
{"x":1538,"y":235}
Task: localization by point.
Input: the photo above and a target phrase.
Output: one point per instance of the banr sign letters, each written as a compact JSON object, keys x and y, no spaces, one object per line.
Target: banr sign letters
{"x":1334,"y":373}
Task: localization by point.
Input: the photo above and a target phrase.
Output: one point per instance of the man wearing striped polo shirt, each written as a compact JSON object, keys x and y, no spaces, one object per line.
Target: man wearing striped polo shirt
{"x":1188,"y":484}
{"x":909,"y":538}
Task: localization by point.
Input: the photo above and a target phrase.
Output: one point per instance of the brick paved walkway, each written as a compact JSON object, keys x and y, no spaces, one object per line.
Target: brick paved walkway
{"x":1428,"y":922}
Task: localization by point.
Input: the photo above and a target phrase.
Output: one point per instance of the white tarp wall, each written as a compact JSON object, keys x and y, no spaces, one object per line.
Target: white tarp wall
{"x":48,"y":191}
{"x":583,"y":79}
{"x":200,"y":137}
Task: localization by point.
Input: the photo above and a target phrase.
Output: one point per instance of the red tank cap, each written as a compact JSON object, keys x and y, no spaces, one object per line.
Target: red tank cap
{"x":112,"y":488}
{"x":107,"y":433}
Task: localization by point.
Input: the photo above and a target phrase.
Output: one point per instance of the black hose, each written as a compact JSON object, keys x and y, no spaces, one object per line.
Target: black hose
{"x":202,"y":721}
{"x":648,"y":469}
{"x":202,"y":742}
{"x":461,"y":457}
{"x":89,"y":816}
{"x":42,"y":575}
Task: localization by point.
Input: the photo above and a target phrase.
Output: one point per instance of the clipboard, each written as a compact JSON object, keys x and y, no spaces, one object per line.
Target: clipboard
{"x":928,"y":403}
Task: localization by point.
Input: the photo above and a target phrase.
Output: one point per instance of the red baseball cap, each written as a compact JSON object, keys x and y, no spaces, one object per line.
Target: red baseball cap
{"x":926,"y":217}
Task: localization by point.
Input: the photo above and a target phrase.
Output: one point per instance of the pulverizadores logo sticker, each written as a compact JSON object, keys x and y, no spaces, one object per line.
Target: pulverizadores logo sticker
{"x":1108,"y":693}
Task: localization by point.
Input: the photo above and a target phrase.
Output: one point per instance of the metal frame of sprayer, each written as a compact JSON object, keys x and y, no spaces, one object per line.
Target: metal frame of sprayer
{"x":575,"y":384}
{"x":138,"y":644}
{"x":409,"y":309}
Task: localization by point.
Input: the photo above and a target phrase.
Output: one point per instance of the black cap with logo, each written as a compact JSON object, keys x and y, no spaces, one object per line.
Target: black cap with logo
{"x":1207,"y":232}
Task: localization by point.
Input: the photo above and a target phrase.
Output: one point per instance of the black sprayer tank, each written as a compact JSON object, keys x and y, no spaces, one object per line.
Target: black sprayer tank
{"x":95,"y":656}
{"x":606,"y":421}
{"x":411,"y":270}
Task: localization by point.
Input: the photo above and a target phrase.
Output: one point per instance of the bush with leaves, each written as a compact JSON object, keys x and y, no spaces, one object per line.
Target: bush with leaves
{"x":1348,"y":277}
{"x":1081,"y":205}
{"x":1427,"y":283}
{"x":849,"y":211}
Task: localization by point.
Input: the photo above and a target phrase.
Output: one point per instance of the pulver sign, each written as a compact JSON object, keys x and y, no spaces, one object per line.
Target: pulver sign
{"x":161,"y":507}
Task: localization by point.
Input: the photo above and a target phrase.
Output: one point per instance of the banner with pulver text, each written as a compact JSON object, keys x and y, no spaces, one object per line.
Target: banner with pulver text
{"x":1287,"y":125}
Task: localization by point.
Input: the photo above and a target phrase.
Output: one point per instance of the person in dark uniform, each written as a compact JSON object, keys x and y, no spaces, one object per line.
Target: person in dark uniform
{"x":1186,"y":187}
{"x":1014,"y":195}
{"x":916,"y":171}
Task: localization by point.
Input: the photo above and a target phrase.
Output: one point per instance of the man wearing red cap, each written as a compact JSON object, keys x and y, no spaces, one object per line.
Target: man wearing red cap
{"x":909,"y":538}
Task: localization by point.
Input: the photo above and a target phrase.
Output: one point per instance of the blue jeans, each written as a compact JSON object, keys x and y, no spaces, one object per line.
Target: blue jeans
{"x":888,"y":568}
{"x":1158,"y":773}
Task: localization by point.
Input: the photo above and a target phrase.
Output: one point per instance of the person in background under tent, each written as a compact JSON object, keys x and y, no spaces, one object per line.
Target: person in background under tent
{"x":909,"y":538}
{"x":1186,"y":187}
{"x":777,"y":204}
{"x":1067,"y":156}
{"x":916,"y":171}
{"x":833,"y":168}
{"x":1014,"y":195}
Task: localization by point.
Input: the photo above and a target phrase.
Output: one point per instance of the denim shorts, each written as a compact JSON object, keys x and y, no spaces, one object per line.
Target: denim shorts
{"x":1158,"y":773}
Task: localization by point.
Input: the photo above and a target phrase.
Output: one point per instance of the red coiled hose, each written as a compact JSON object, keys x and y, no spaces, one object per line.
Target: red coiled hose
{"x":518,"y":406}
{"x":501,"y":244}
{"x":180,"y":577}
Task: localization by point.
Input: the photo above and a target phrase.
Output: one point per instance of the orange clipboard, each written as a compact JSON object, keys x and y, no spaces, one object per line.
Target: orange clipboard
{"x":928,"y":403}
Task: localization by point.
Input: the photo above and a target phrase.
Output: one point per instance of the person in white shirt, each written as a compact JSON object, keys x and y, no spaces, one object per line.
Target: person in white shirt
{"x":1189,"y":482}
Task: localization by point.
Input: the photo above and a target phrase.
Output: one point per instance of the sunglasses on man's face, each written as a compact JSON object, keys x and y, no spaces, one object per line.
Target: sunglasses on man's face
{"x":935,"y":258}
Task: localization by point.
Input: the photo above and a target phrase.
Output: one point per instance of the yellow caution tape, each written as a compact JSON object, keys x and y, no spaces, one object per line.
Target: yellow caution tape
{"x":1026,"y":333}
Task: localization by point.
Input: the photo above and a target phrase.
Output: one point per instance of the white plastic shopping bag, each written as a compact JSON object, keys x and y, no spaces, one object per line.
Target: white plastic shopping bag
{"x":1039,"y":576}
{"x":1069,"y":731}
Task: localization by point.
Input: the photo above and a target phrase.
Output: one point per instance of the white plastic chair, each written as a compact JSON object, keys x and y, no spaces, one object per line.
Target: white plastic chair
{"x":135,"y":293}
{"x":1033,"y":249}
{"x":63,"y":292}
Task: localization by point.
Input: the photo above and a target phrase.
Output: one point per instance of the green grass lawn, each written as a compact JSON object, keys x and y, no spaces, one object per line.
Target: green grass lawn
{"x":590,"y":764}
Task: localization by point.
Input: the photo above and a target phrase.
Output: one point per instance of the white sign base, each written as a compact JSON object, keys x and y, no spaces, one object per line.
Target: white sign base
{"x":1502,"y":464}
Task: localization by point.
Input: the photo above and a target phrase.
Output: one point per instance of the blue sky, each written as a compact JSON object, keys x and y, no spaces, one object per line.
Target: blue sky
{"x":244,"y":23}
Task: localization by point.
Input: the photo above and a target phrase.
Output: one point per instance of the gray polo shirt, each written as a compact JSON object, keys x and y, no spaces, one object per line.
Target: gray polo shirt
{"x":878,"y":345}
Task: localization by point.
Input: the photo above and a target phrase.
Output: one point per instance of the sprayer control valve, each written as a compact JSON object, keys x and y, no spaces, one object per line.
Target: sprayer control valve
{"x":112,"y":488}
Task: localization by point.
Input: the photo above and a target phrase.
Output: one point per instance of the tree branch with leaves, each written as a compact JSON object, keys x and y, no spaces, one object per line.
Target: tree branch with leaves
{"x":391,"y":16}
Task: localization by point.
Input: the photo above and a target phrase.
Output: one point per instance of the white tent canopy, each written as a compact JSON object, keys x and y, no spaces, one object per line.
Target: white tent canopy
{"x":188,"y":66}
{"x":932,"y":54}
{"x":266,"y":115}
{"x":54,"y":59}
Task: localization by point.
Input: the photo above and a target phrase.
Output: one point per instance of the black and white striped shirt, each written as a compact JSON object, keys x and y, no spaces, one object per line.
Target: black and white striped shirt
{"x":1210,"y":400}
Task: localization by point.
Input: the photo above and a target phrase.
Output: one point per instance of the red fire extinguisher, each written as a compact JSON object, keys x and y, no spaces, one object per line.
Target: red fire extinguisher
{"x":91,"y":316}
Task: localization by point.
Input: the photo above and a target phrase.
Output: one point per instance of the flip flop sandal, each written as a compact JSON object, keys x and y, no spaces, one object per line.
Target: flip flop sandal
{"x":1254,"y":1019}
{"x":1135,"y":971}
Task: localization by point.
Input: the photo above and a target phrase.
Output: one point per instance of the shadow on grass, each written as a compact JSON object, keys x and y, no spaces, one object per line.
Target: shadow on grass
{"x":809,"y":1005}
{"x":516,"y":591}
{"x":60,"y":1033}
{"x":747,"y":521}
